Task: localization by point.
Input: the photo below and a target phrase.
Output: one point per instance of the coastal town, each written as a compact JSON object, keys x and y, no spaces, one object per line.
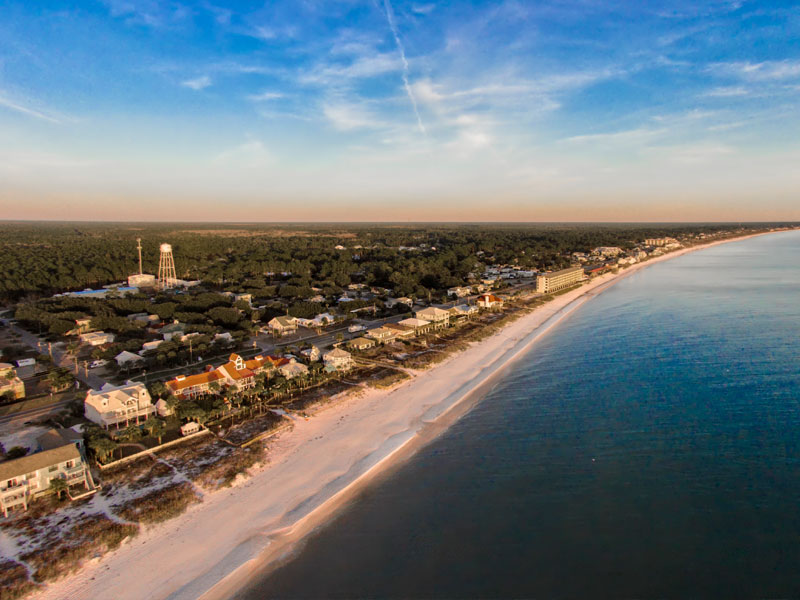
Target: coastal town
{"x":127,"y":403}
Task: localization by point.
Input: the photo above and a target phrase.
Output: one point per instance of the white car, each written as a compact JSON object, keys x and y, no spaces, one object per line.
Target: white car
{"x":96,"y":364}
{"x":355,"y":328}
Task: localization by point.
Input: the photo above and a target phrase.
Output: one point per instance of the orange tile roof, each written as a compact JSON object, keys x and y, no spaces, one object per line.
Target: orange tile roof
{"x":177,"y":385}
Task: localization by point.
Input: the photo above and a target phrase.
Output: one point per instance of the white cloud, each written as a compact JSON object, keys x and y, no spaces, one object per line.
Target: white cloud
{"x":264,"y":96}
{"x":346,"y":117}
{"x":199,"y":83}
{"x":27,"y":110}
{"x":628,"y":136}
{"x":775,"y":70}
{"x":251,"y":154}
{"x":727,"y":92}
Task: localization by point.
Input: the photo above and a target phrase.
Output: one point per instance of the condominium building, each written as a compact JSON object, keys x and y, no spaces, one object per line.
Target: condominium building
{"x":558,"y":280}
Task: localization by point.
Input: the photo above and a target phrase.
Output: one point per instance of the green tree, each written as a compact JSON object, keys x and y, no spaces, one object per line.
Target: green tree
{"x":58,"y":486}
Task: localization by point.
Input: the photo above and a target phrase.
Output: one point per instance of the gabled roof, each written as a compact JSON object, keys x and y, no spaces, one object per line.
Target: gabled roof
{"x":55,"y":438}
{"x":283,"y":321}
{"x":177,"y":385}
{"x":39,"y":460}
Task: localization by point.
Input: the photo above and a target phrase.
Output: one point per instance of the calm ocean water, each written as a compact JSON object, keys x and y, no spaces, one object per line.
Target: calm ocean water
{"x":649,"y":447}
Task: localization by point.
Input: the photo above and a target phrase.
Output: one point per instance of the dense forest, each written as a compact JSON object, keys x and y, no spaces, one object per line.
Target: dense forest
{"x":40,"y":259}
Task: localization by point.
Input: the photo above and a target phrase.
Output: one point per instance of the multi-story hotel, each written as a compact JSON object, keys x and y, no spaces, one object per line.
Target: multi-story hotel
{"x":558,"y":280}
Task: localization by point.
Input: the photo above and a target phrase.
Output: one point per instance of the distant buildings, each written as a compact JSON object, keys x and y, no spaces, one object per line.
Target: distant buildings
{"x":118,"y":405}
{"x":659,"y":241}
{"x":558,"y":280}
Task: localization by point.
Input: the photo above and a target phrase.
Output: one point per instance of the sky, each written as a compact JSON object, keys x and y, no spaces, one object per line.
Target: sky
{"x":390,"y":110}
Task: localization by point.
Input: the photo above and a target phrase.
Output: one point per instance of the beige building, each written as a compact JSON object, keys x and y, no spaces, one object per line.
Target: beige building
{"x":119,"y":406}
{"x":285,"y":325}
{"x":558,"y":280}
{"x":10,"y":384}
{"x":338,"y":359}
{"x":437,"y":317}
{"x":23,"y":479}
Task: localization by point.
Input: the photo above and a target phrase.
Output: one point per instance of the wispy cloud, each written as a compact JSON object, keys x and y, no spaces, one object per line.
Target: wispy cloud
{"x":345,"y":117}
{"x":265,"y":96}
{"x":726,"y":92}
{"x":638,"y":135}
{"x":150,"y":13}
{"x":393,"y":26}
{"x":250,"y":154}
{"x":27,"y":110}
{"x":775,"y":70}
{"x":199,"y":83}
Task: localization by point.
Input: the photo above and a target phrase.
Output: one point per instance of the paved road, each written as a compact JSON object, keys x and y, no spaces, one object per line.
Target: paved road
{"x":35,"y":413}
{"x":60,"y":356}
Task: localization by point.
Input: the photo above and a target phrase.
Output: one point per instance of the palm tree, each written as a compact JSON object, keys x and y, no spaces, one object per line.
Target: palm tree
{"x":58,"y":486}
{"x":157,"y":428}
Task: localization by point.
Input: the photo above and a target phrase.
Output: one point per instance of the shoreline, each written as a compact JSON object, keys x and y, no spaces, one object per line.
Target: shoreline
{"x":216,"y":548}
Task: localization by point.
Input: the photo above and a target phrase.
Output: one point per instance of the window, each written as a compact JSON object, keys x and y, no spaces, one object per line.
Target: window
{"x":70,"y":464}
{"x":52,"y":468}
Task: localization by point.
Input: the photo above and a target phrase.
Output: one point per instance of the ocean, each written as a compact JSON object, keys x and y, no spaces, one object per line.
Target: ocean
{"x":648,"y":447}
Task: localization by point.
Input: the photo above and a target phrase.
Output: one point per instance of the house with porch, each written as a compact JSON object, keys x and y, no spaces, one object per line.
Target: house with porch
{"x":24,"y":479}
{"x":338,"y":360}
{"x":418,"y":326}
{"x":438,"y":317}
{"x":119,"y":405}
{"x":189,"y":386}
{"x":382,"y":335}
{"x":283,"y":325}
{"x":236,"y":374}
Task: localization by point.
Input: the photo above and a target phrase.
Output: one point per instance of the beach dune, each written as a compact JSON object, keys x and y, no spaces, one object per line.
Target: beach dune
{"x":216,"y":547}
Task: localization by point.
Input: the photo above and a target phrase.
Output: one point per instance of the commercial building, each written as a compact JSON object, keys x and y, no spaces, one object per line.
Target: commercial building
{"x":558,"y":280}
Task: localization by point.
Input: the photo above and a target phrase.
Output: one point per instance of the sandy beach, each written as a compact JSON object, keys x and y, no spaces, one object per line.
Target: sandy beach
{"x":218,"y":545}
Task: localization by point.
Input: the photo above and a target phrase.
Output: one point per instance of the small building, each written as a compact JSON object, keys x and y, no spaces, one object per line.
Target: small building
{"x":118,"y":405}
{"x":436,"y":316}
{"x":10,"y":383}
{"x":190,"y":428}
{"x":463,"y":311}
{"x":56,"y":438}
{"x":23,"y":479}
{"x":489,"y":301}
{"x":312,"y":354}
{"x":361,"y":344}
{"x":128,"y":359}
{"x":97,"y":338}
{"x":147,"y":346}
{"x":293,"y":369}
{"x":142,"y":280}
{"x":459,"y":292}
{"x":283,"y":325}
{"x":338,"y":359}
{"x":392,"y":302}
{"x":173,"y":330}
{"x":162,"y":408}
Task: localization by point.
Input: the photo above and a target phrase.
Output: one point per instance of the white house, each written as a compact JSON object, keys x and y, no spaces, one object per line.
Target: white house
{"x":283,"y":325}
{"x":151,"y":345}
{"x":437,"y":316}
{"x":23,"y":479}
{"x":126,"y":358}
{"x":338,"y":359}
{"x":418,"y":325}
{"x":311,"y":354}
{"x":293,"y":369}
{"x":489,"y":301}
{"x":118,"y":405}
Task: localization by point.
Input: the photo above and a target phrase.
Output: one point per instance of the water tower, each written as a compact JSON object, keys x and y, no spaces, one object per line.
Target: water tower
{"x":167,"y":277}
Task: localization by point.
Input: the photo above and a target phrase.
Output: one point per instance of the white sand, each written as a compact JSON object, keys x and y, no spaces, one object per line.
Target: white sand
{"x":217,"y":546}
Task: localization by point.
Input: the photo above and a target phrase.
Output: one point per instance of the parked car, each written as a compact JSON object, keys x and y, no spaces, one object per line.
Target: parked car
{"x":96,"y":364}
{"x":355,"y":328}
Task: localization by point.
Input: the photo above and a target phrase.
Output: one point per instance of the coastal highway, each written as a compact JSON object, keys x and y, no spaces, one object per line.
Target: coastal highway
{"x":34,"y":414}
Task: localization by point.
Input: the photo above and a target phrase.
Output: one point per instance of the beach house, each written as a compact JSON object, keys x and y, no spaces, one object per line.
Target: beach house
{"x":437,"y":317}
{"x":338,"y":359}
{"x":118,"y":405}
{"x":489,"y":302}
{"x":280,"y":326}
{"x":23,"y":479}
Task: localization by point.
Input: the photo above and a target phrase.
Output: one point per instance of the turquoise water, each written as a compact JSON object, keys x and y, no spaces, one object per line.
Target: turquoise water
{"x":648,"y":447}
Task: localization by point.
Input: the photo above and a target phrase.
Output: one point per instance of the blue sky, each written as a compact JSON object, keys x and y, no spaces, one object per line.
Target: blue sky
{"x":390,"y":110}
